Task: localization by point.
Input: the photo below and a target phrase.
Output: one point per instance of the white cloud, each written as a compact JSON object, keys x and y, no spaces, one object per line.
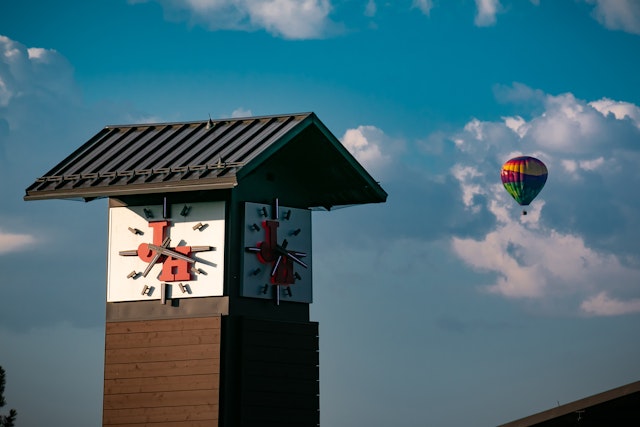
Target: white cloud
{"x":39,"y":54}
{"x":574,"y":126}
{"x":486,"y":12}
{"x":539,"y":262}
{"x":481,"y":137}
{"x":465,"y":176}
{"x":618,"y":14}
{"x":289,"y":19}
{"x":592,"y":165}
{"x":13,"y":242}
{"x":620,"y":110}
{"x":564,"y":121}
{"x":425,"y":6}
{"x":371,"y":147}
{"x":517,"y":124}
{"x":603,"y":305}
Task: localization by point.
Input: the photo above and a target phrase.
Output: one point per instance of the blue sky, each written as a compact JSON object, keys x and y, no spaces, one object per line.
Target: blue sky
{"x":443,"y":306}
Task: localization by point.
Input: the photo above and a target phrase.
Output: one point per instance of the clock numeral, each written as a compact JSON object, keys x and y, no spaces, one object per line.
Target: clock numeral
{"x":255,"y":272}
{"x":185,"y":211}
{"x":202,"y":248}
{"x":184,"y":288}
{"x":297,"y":276}
{"x":147,"y":290}
{"x":135,"y":231}
{"x":198,"y":271}
{"x":287,"y":291}
{"x":133,"y":274}
{"x":163,"y":293}
{"x":296,"y":232}
{"x":199,"y":226}
{"x":287,"y":215}
{"x":148,"y":213}
{"x":254,"y":227}
{"x":263,"y":211}
{"x":265,"y":289}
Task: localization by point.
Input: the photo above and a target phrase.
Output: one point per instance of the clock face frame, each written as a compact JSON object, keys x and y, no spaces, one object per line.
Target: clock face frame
{"x":291,"y":281}
{"x":140,"y":236}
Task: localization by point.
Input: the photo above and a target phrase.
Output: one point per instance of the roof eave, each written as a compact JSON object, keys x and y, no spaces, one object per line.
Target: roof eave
{"x":313,"y":120}
{"x":124,"y":190}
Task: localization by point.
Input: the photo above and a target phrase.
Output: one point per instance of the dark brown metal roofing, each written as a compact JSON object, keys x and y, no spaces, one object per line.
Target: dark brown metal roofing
{"x":203,"y":155}
{"x":613,"y":408}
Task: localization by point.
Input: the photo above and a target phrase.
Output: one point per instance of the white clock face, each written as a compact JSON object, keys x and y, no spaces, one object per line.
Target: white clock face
{"x":151,"y":257}
{"x":277,"y":253}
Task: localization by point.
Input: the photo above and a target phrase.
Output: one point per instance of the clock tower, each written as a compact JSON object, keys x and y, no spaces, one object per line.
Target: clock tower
{"x":210,"y":264}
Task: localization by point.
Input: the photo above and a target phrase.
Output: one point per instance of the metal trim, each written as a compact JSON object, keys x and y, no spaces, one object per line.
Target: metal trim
{"x":177,"y":308}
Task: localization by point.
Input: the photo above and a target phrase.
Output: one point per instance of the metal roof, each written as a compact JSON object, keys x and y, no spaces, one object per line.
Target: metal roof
{"x":616,"y":407}
{"x":204,"y":155}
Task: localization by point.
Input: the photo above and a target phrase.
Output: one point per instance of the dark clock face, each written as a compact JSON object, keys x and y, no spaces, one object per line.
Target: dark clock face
{"x":277,"y":253}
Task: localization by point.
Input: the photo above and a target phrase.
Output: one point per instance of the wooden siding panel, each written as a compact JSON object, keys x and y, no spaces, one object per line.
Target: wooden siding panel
{"x":160,"y":415}
{"x":164,"y":368}
{"x":161,"y":383}
{"x":160,"y":399}
{"x":164,"y":373}
{"x":161,"y":338}
{"x":158,"y":354}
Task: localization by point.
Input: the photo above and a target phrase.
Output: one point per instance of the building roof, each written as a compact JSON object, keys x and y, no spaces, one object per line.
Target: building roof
{"x":619,"y":407}
{"x":208,"y":155}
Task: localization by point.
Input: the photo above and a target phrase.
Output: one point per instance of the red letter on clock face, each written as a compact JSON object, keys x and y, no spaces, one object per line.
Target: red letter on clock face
{"x":173,"y":269}
{"x":268,"y":254}
{"x":159,"y":228}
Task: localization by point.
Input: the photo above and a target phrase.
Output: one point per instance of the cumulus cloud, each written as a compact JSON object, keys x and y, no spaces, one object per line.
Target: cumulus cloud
{"x":486,"y":11}
{"x":533,"y":261}
{"x":621,"y":110}
{"x":621,"y":15}
{"x":289,"y":19}
{"x":24,"y":71}
{"x":371,"y":147}
{"x":578,"y":239}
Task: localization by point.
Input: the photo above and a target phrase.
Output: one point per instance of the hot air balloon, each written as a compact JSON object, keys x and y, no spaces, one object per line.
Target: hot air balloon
{"x":523,"y":178}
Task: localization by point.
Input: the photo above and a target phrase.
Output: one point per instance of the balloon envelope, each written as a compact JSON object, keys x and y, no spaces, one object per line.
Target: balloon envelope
{"x":523,"y":177}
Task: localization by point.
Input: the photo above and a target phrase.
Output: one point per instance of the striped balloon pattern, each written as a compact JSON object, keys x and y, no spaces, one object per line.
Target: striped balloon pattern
{"x":523,"y":177}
